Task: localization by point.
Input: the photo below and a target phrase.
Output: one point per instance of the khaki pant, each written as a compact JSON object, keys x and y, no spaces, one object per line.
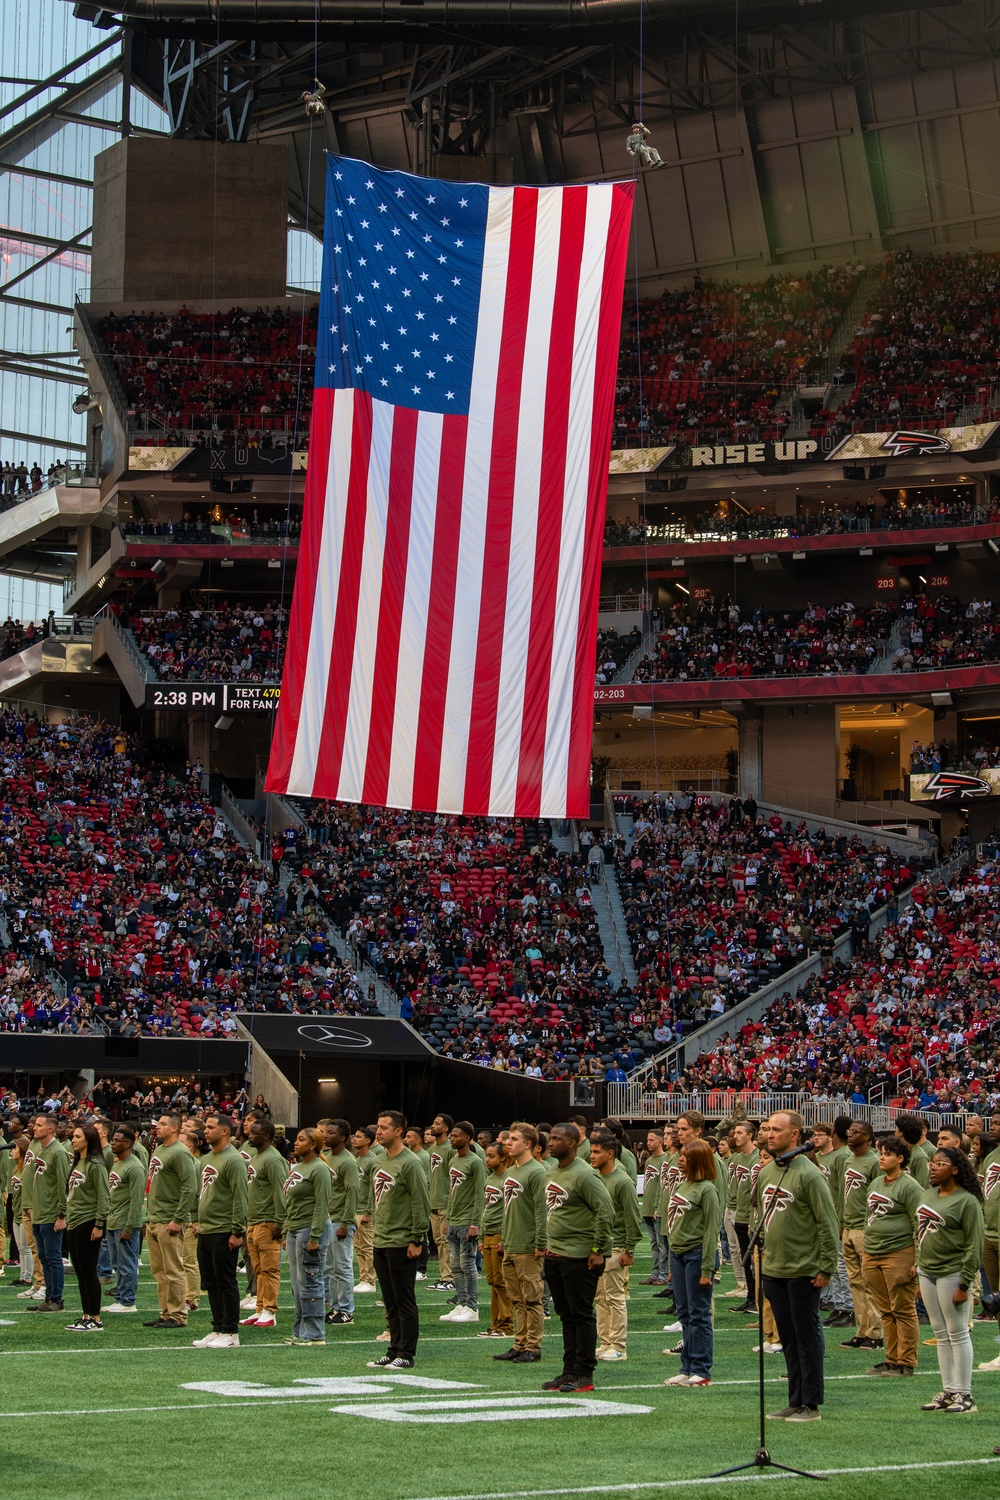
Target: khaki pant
{"x":3,"y":1231}
{"x":894,"y":1292}
{"x":768,"y":1327}
{"x":192,"y":1275}
{"x":611,"y":1304}
{"x":866,"y":1314}
{"x":38,"y":1274}
{"x":522,"y":1276}
{"x":166,"y":1264}
{"x":264,"y":1248}
{"x":439,"y":1229}
{"x":501,"y":1312}
{"x":739,"y":1270}
{"x":363,"y":1248}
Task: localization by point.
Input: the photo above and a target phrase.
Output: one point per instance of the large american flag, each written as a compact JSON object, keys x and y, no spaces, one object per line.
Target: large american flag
{"x":443,"y":628}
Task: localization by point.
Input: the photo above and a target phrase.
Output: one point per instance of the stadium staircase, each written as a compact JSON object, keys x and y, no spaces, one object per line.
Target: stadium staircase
{"x":133,"y":666}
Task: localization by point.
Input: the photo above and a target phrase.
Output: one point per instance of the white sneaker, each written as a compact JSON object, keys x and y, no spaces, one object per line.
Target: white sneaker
{"x":267,"y":1320}
{"x":383,"y":1338}
{"x":28,"y":1296}
{"x":121,"y":1307}
{"x":612,"y":1354}
{"x":366,"y":1286}
{"x":208,"y":1342}
{"x":449,"y":1317}
{"x":249,"y":1304}
{"x":465,"y":1315}
{"x":740,"y":1292}
{"x":250,"y":1321}
{"x":768,"y":1348}
{"x":990,"y":1364}
{"x":421,"y":1276}
{"x":677,"y":1380}
{"x":672,"y":1328}
{"x":226,"y":1341}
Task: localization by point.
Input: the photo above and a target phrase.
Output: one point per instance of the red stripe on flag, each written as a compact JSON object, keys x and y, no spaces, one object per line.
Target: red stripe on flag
{"x":338,"y":690}
{"x":437,"y":647}
{"x":299,"y":625}
{"x":552,"y":480}
{"x":608,"y":338}
{"x":503,"y":466}
{"x":397,"y":541}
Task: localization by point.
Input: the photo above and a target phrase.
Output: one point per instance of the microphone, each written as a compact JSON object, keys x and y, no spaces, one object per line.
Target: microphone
{"x":787,"y":1156}
{"x":7,"y":1145}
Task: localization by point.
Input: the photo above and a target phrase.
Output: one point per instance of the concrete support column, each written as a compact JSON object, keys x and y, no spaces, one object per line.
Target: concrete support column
{"x":751,"y":774}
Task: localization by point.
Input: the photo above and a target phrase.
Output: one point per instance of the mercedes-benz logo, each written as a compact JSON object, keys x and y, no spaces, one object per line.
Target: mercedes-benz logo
{"x":329,"y":1036}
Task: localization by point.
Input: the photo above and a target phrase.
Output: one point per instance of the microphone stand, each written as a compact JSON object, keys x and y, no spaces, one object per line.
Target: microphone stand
{"x":762,"y":1458}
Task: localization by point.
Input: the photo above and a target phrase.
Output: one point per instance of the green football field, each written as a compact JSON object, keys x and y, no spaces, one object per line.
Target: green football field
{"x":133,"y":1412}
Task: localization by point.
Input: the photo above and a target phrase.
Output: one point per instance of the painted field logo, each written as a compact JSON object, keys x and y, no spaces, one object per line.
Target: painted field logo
{"x":910,"y":444}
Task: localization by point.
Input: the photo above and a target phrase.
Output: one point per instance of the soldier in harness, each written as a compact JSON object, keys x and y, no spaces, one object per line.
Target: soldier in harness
{"x":636,"y":144}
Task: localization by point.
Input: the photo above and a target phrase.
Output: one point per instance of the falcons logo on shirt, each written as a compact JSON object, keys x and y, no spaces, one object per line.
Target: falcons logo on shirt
{"x":208,"y":1176}
{"x":651,"y":1174}
{"x":436,"y":1160}
{"x":290,"y":1181}
{"x":40,"y":1165}
{"x":512,"y":1188}
{"x":113,"y":1181}
{"x":754,"y":1174}
{"x":741,"y":1172}
{"x":991,"y":1179}
{"x":555,"y":1196}
{"x":676,"y":1209}
{"x":853,"y":1179}
{"x":76,"y":1177}
{"x":929,"y":1221}
{"x":155,"y":1166}
{"x":455,"y":1178}
{"x":493,"y":1194}
{"x":251,"y":1172}
{"x":776,"y":1200}
{"x":670,"y":1176}
{"x":878,"y":1206}
{"x":382,"y":1182}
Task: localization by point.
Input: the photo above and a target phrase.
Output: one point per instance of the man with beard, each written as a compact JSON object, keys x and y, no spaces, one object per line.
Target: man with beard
{"x":580,"y":1215}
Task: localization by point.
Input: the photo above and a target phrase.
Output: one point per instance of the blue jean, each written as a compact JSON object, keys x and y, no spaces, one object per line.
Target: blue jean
{"x":463,"y":1266}
{"x":104,"y":1265}
{"x":124,"y":1257}
{"x":661,"y":1255}
{"x":50,"y":1242}
{"x":694,"y":1309}
{"x":338,"y":1271}
{"x":305,"y":1269}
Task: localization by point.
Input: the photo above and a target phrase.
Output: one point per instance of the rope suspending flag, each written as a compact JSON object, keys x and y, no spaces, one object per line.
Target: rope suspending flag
{"x":442,"y":637}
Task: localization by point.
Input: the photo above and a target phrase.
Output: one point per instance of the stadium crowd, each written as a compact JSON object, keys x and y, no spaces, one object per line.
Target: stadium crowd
{"x":227,"y":642}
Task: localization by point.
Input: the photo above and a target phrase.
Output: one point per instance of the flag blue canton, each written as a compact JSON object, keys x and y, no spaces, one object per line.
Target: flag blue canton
{"x":402,"y":271}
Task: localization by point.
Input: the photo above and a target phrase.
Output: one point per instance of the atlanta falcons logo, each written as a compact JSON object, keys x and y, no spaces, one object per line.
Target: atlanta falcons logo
{"x":910,"y":444}
{"x":740,"y":1172}
{"x":929,"y":1221}
{"x":776,"y":1200}
{"x":754,"y":1174}
{"x":493,"y":1195}
{"x":155,"y":1167}
{"x":555,"y":1196}
{"x":251,"y":1172}
{"x":949,"y":786}
{"x":113,"y":1181}
{"x":512,"y":1189}
{"x":290,"y":1182}
{"x":382,"y":1182}
{"x":853,"y":1179}
{"x":676,"y":1209}
{"x":76,"y":1179}
{"x":208,"y":1176}
{"x":670,"y":1176}
{"x":436,"y":1160}
{"x":878,"y":1206}
{"x":455,"y":1178}
{"x":991,"y":1179}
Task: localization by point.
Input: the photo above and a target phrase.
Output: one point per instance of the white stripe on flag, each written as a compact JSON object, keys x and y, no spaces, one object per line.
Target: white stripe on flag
{"x":306,"y":756}
{"x":475,"y":498}
{"x":416,"y":608}
{"x":524,"y":518}
{"x":574,"y":519}
{"x":359,"y":710}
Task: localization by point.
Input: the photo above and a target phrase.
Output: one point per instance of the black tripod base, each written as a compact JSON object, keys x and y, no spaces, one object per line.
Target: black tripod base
{"x":763,"y":1460}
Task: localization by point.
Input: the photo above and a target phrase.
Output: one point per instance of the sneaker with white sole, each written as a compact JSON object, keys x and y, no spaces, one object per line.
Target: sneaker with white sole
{"x":364,"y":1286}
{"x":610,"y":1355}
{"x":250,"y":1322}
{"x":248,"y":1304}
{"x":448,"y":1317}
{"x":400,"y":1363}
{"x":694,"y":1380}
{"x":677,"y":1380}
{"x":266,"y":1320}
{"x":740,"y":1293}
{"x":382,"y":1363}
{"x":677,"y":1349}
{"x":383,"y":1338}
{"x":805,"y":1414}
{"x":768,"y":1348}
{"x":961,"y":1404}
{"x":492,"y":1333}
{"x":465,"y":1315}
{"x":226,"y":1341}
{"x":986,"y":1364}
{"x":208,"y":1342}
{"x":677,"y":1327}
{"x":421,"y":1275}
{"x":38,"y":1295}
{"x":121,"y":1307}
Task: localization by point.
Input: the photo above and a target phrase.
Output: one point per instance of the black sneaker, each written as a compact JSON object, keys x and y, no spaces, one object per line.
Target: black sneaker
{"x":526,"y":1357}
{"x":856,"y":1343}
{"x":577,"y":1383}
{"x":556,"y":1384}
{"x":509,"y":1354}
{"x":840,"y":1320}
{"x":667,"y":1292}
{"x":164,"y":1323}
{"x":903,"y":1370}
{"x":381,"y":1364}
{"x":400,"y":1363}
{"x":339,"y":1317}
{"x":442,"y":1286}
{"x":883,"y":1369}
{"x":870,"y":1344}
{"x":47,"y":1306}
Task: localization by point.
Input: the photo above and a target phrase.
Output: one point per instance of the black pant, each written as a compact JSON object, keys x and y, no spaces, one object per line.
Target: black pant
{"x":397,"y":1279}
{"x":743,"y":1240}
{"x":795,"y":1304}
{"x":574,"y":1286}
{"x":83,"y":1253}
{"x":217,"y":1268}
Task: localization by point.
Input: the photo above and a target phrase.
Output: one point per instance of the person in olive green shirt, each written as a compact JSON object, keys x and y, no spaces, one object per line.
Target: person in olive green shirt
{"x":800,"y":1230}
{"x":744,"y":1158}
{"x":989,"y":1177}
{"x":266,"y":1173}
{"x":466,"y":1204}
{"x":853,"y":1177}
{"x":365,"y":1157}
{"x":50,"y":1171}
{"x":523,"y":1237}
{"x":222,"y":1227}
{"x":950,"y":1233}
{"x":338,"y":1262}
{"x":693,"y":1217}
{"x":126,"y":1199}
{"x":888,"y":1256}
{"x":441,"y":1152}
{"x":580,"y":1217}
{"x":86,"y":1217}
{"x":611,"y":1300}
{"x":306,"y":1230}
{"x":402,"y":1213}
{"x":650,"y":1205}
{"x":171,"y":1198}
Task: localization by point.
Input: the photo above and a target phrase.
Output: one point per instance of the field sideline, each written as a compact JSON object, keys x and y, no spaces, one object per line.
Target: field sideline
{"x":84,"y":1414}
